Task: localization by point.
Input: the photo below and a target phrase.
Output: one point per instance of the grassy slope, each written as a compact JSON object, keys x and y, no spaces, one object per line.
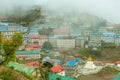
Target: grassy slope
{"x":110,"y":55}
{"x":9,"y":74}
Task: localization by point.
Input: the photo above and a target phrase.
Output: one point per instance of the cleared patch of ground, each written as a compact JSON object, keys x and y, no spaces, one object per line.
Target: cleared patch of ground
{"x":110,"y":55}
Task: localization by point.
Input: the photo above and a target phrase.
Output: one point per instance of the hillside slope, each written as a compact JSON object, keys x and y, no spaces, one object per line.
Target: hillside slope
{"x":9,"y":74}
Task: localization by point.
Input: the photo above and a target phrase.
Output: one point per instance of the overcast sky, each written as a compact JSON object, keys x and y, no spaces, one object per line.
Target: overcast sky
{"x":107,"y":9}
{"x":7,"y":6}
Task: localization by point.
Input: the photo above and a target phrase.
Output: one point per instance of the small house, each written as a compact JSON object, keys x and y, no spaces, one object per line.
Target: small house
{"x":58,"y":70}
{"x":117,"y":63}
{"x":35,"y":64}
{"x":32,"y":54}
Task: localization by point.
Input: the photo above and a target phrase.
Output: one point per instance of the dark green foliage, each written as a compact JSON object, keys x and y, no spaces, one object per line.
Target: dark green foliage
{"x":25,"y":17}
{"x":17,"y":40}
{"x":58,"y":79}
{"x":10,"y":47}
{"x":1,"y":42}
{"x":108,"y":45}
{"x":44,"y":73}
{"x":30,"y":17}
{"x":89,"y":52}
{"x":47,"y":46}
{"x":48,"y":64}
{"x":9,"y":51}
{"x":1,"y":36}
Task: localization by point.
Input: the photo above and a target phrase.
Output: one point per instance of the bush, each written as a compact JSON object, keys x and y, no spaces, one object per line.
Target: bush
{"x":89,"y":52}
{"x":5,"y":75}
{"x":47,"y":46}
{"x":108,"y":45}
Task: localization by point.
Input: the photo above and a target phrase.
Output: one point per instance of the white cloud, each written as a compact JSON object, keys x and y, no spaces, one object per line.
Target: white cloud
{"x":108,"y":9}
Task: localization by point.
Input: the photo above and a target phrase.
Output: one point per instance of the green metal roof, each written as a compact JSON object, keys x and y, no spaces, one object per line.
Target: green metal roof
{"x":28,"y":52}
{"x":117,"y":77}
{"x":21,"y":68}
{"x":53,"y":76}
{"x":52,"y":52}
{"x":117,"y":34}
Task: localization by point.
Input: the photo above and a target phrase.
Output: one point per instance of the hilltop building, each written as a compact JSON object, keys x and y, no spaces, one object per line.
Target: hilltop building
{"x":58,"y":70}
{"x":89,"y":64}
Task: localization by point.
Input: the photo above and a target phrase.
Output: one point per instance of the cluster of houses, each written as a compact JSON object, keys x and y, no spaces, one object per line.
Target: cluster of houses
{"x":70,"y":37}
{"x":65,"y":37}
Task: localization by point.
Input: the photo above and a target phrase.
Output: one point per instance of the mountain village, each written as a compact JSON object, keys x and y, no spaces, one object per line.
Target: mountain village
{"x":63,"y":38}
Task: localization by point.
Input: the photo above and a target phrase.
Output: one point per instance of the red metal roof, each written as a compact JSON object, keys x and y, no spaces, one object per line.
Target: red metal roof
{"x":76,"y":55}
{"x":57,"y":69}
{"x":34,"y":63}
{"x":28,"y":47}
{"x":117,"y":62}
{"x":35,"y":45}
{"x":40,"y":37}
{"x":22,"y":56}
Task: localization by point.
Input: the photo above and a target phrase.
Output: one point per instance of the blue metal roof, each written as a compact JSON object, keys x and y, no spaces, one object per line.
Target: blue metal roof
{"x":71,"y":63}
{"x":58,"y":60}
{"x":52,"y":37}
{"x":5,"y":23}
{"x":77,"y":59}
{"x":33,"y":30}
{"x":26,"y":36}
{"x":6,"y":30}
{"x":80,"y":38}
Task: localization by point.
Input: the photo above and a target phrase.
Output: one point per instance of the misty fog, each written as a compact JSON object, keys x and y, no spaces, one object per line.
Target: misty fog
{"x":106,"y":9}
{"x":8,"y":6}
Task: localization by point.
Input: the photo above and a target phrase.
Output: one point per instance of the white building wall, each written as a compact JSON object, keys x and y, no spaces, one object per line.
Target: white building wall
{"x":61,"y":73}
{"x":66,"y":43}
{"x":118,"y":65}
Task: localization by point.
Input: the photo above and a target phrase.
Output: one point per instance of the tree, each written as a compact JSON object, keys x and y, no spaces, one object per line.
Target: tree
{"x":17,"y":40}
{"x":25,"y":17}
{"x":47,"y":46}
{"x":58,"y":78}
{"x":1,"y":47}
{"x":1,"y":41}
{"x":48,"y":64}
{"x":9,"y":50}
{"x":1,"y":38}
{"x":10,"y":47}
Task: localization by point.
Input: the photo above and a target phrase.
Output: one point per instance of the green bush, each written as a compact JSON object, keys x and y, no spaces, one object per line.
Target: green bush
{"x":108,"y":45}
{"x":5,"y":75}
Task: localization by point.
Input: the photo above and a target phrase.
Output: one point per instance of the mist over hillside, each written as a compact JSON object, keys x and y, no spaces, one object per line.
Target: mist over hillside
{"x":32,"y":14}
{"x":8,"y":7}
{"x":81,"y":20}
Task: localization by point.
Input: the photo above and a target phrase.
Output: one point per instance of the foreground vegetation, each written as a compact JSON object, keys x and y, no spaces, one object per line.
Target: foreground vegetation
{"x":9,"y":47}
{"x":9,"y":74}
